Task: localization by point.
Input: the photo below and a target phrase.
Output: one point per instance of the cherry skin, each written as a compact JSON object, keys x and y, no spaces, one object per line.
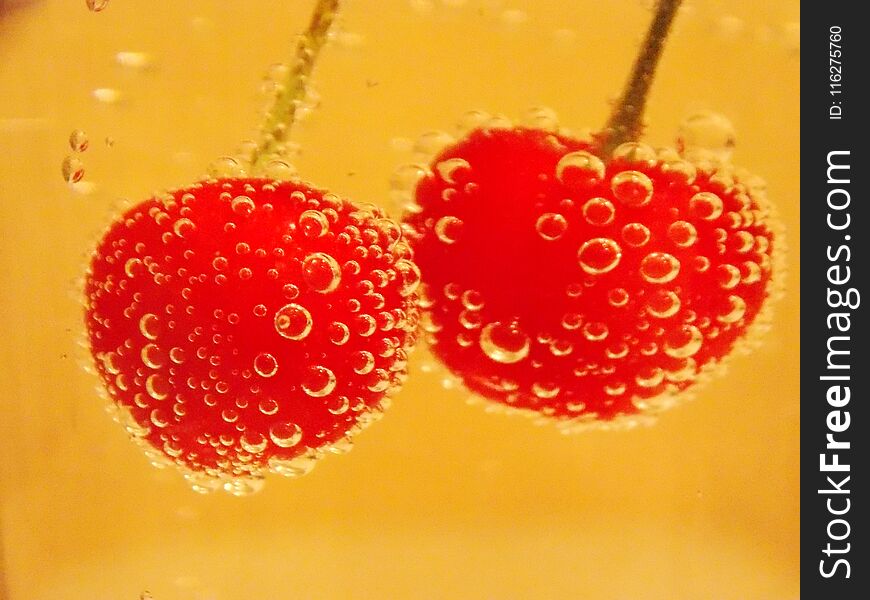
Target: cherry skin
{"x":246,"y":325}
{"x":591,"y":291}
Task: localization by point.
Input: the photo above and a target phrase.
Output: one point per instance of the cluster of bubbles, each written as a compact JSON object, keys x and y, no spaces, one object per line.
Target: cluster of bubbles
{"x":722,"y":236}
{"x":333,"y":323}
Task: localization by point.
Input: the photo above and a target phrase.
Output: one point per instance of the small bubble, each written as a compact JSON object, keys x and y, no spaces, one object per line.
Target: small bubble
{"x":659,"y":267}
{"x":97,"y":6}
{"x":632,"y":188}
{"x":106,"y":95}
{"x":599,"y":212}
{"x":285,"y":435}
{"x":152,"y":356}
{"x":177,"y":355}
{"x":682,"y":233}
{"x":727,"y":276}
{"x":268,"y":406}
{"x":157,"y":386}
{"x":133,"y":266}
{"x":293,"y":321}
{"x":242,"y":205}
{"x":321,"y":272}
{"x":635,"y":153}
{"x":599,"y":255}
{"x":450,"y":169}
{"x":72,"y":169}
{"x":410,"y":276}
{"x":313,"y":224}
{"x":78,"y":140}
{"x":617,"y":297}
{"x":133,"y":60}
{"x":362,"y":362}
{"x":339,"y":333}
{"x":545,"y":390}
{"x":448,"y":229}
{"x":733,"y":310}
{"x":635,"y":234}
{"x":318,"y":381}
{"x":649,"y":377}
{"x":663,"y":304}
{"x":225,"y":166}
{"x":551,"y":226}
{"x":683,"y":342}
{"x":707,"y":132}
{"x":253,"y":442}
{"x":595,"y":331}
{"x":540,"y":117}
{"x":579,"y":169}
{"x":183,"y":227}
{"x":265,"y":365}
{"x":706,"y":205}
{"x":504,"y":343}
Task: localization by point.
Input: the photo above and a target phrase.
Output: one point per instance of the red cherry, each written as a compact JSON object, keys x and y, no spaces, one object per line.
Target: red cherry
{"x":246,"y":325}
{"x":581,"y":288}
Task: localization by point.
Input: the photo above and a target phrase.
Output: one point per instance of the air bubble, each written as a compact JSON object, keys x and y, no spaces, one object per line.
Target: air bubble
{"x":293,"y":322}
{"x":540,"y":117}
{"x":268,"y":406}
{"x":152,"y":356}
{"x":242,"y":205}
{"x":504,"y":343}
{"x":285,"y":435}
{"x":706,"y":205}
{"x":448,"y":229}
{"x":148,"y":325}
{"x":96,"y":5}
{"x":545,"y":390}
{"x":682,"y":233}
{"x":551,"y":226}
{"x":595,"y":331}
{"x":650,"y":377}
{"x":707,"y":132}
{"x":410,"y":276}
{"x":579,"y":169}
{"x":452,"y":168}
{"x":72,"y":169}
{"x":313,"y":224}
{"x":635,"y":153}
{"x":632,"y":188}
{"x":659,"y":267}
{"x":321,"y":272}
{"x":265,"y":365}
{"x":617,"y":297}
{"x":683,"y":342}
{"x":78,"y":140}
{"x":183,"y":227}
{"x":599,"y":255}
{"x":599,"y":212}
{"x":727,"y":276}
{"x":733,"y":311}
{"x":253,"y":442}
{"x":663,"y":304}
{"x":157,"y":386}
{"x":318,"y":382}
{"x":635,"y":234}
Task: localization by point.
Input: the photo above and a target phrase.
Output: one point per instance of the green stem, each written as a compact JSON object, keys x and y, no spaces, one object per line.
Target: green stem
{"x":626,"y":120}
{"x":282,"y":115}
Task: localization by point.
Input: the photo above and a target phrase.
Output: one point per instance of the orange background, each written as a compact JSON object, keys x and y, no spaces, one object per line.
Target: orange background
{"x":440,"y":499}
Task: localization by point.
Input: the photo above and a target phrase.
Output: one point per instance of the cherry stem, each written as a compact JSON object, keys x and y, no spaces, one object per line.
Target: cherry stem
{"x":626,"y":120}
{"x":282,"y":115}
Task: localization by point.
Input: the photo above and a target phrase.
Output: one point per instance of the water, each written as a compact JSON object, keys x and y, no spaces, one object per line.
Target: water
{"x":441,"y":499}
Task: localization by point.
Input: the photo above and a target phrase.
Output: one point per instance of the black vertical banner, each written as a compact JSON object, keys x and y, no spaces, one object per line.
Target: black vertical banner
{"x":835,"y":266}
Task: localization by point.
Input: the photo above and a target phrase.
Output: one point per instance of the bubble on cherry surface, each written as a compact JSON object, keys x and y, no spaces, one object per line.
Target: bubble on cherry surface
{"x":293,"y":321}
{"x":707,"y":133}
{"x":504,"y":342}
{"x":551,"y":226}
{"x":599,"y":255}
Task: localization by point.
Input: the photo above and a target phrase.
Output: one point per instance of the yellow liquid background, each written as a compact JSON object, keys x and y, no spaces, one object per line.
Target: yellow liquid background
{"x":440,"y":499}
